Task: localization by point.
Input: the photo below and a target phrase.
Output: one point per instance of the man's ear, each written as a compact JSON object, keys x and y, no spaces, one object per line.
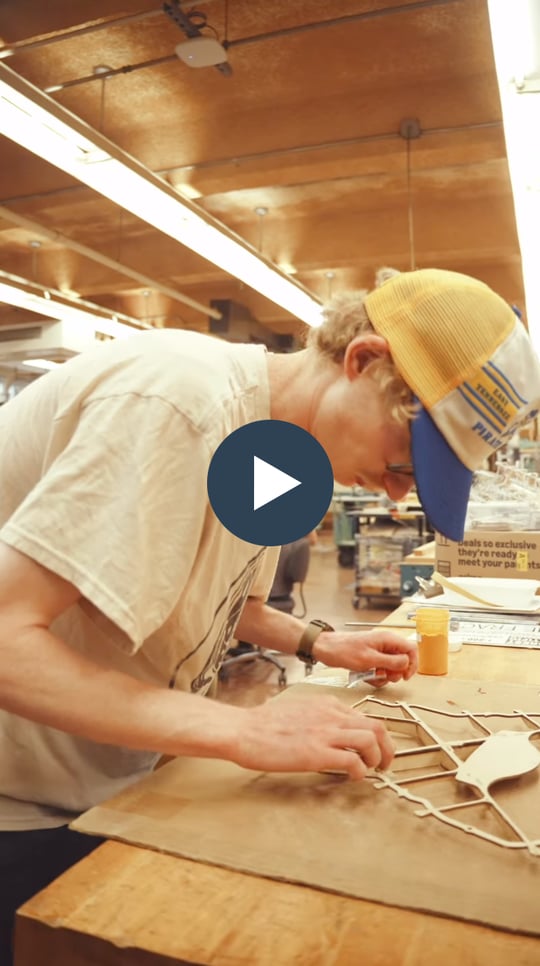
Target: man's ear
{"x":362,"y":350}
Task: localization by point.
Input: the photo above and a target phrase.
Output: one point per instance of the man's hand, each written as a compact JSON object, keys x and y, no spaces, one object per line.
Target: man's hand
{"x":359,"y":651}
{"x":313,"y":734}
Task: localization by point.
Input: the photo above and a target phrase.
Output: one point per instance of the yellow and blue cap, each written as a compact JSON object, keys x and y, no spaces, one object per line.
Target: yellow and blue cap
{"x":469,"y":362}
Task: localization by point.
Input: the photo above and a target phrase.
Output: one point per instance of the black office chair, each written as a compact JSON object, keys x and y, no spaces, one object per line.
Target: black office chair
{"x":292,"y":569}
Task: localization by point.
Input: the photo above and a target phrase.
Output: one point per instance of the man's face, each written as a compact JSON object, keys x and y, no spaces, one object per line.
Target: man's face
{"x":360,"y":438}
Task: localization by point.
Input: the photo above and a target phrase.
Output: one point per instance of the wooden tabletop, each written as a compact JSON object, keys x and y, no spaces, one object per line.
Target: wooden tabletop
{"x":423,"y":554}
{"x":128,"y":906}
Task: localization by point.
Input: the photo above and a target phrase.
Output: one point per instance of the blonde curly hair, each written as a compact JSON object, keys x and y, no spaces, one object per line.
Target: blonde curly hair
{"x":345,"y":317}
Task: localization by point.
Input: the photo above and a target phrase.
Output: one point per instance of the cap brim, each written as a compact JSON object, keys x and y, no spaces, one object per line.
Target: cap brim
{"x":442,"y":481}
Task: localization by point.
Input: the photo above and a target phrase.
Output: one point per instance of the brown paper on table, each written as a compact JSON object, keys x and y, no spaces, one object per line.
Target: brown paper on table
{"x":338,"y":835}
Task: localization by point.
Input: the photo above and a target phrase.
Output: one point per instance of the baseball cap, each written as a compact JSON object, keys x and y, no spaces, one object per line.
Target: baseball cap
{"x":469,"y":362}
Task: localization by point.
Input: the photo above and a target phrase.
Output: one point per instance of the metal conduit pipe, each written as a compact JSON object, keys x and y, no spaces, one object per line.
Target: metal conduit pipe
{"x":338,"y":21}
{"x":8,"y":50}
{"x":228,"y":44}
{"x":238,"y":159}
{"x":95,"y":256}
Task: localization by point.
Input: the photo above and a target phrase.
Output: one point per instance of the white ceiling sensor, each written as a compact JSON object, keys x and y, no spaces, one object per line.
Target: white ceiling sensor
{"x":201,"y":52}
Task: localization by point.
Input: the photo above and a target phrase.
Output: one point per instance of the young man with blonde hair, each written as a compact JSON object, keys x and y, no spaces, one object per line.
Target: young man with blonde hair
{"x":119,"y":588}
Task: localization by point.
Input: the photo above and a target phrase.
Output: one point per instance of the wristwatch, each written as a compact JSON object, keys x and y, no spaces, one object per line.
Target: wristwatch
{"x":310,"y":635}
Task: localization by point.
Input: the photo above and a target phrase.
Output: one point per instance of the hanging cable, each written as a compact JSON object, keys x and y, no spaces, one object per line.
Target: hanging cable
{"x":226,"y":25}
{"x":35,"y":247}
{"x":102,"y":105}
{"x":261,"y":211}
{"x":101,"y":71}
{"x":410,"y":211}
{"x":410,"y":129}
{"x":329,"y":276}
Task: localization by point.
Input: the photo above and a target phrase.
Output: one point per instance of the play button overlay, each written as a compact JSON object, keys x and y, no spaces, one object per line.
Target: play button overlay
{"x":270,"y":482}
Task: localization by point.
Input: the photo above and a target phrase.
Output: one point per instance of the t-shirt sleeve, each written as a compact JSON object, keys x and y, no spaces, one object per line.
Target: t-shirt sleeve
{"x":264,"y":579}
{"x":121,"y":510}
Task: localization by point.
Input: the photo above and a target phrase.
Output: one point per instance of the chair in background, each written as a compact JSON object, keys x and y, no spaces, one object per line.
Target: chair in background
{"x":292,"y":569}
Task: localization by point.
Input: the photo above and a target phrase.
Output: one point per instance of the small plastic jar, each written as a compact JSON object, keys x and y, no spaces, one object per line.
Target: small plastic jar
{"x":432,"y":637}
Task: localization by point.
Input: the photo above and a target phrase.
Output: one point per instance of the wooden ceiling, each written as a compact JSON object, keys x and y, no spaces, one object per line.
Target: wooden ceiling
{"x":307,"y":126}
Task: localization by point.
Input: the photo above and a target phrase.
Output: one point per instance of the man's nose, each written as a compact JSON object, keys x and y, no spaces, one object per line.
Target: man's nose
{"x":397,"y":486}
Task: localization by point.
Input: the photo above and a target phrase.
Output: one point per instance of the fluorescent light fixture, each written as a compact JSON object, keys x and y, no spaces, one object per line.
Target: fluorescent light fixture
{"x":187,"y":190}
{"x":36,"y":122}
{"x":56,"y":305}
{"x":43,"y":364}
{"x":515,"y":31}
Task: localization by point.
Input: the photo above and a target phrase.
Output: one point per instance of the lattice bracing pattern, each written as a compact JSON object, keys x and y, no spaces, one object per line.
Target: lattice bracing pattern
{"x":447,"y":762}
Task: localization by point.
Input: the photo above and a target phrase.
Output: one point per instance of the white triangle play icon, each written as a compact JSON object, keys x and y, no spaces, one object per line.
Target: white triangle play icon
{"x":269,"y":482}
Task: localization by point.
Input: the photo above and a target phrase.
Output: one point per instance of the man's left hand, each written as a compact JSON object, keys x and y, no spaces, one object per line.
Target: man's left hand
{"x":384,"y":650}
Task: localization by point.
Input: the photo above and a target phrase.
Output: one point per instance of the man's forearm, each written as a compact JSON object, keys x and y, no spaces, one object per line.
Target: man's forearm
{"x":267,"y":627}
{"x":43,"y":679}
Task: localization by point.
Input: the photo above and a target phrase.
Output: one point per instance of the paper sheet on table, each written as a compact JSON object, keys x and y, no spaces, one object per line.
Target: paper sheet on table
{"x":508,"y":595}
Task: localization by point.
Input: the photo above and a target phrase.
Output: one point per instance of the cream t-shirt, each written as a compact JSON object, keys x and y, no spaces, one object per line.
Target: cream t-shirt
{"x":103,"y":466}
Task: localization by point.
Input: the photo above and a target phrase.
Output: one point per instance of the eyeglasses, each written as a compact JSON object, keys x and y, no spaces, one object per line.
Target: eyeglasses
{"x":403,"y":469}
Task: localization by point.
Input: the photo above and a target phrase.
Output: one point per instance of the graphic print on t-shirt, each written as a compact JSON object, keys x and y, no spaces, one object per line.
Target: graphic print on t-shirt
{"x":223,"y":625}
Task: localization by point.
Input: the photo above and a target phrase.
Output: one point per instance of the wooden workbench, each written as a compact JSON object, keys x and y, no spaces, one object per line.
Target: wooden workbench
{"x":425,"y":554}
{"x":128,"y":906}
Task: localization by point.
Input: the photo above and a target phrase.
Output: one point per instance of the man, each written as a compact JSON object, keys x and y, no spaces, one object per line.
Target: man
{"x":120,"y":589}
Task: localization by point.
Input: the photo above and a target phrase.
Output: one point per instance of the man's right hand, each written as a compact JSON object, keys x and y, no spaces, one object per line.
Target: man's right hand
{"x":313,"y":734}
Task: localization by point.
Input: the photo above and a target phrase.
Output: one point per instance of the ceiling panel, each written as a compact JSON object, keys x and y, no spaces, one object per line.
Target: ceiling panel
{"x":307,"y":126}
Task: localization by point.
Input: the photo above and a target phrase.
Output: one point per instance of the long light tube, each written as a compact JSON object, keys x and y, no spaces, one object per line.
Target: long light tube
{"x":52,"y":304}
{"x":515,"y":31}
{"x":43,"y":364}
{"x":39,"y":124}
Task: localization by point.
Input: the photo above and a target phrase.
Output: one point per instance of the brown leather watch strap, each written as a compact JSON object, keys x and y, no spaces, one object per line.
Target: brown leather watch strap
{"x":310,"y":635}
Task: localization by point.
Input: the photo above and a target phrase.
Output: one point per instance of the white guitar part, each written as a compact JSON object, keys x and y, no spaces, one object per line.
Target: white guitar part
{"x":502,"y":755}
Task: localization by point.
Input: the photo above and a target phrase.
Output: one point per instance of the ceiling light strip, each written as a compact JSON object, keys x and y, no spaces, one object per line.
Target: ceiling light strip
{"x":37,"y":123}
{"x":52,"y":304}
{"x":515,"y":32}
{"x":55,"y":236}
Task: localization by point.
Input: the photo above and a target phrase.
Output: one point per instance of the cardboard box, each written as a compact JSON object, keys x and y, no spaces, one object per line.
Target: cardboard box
{"x":490,"y":553}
